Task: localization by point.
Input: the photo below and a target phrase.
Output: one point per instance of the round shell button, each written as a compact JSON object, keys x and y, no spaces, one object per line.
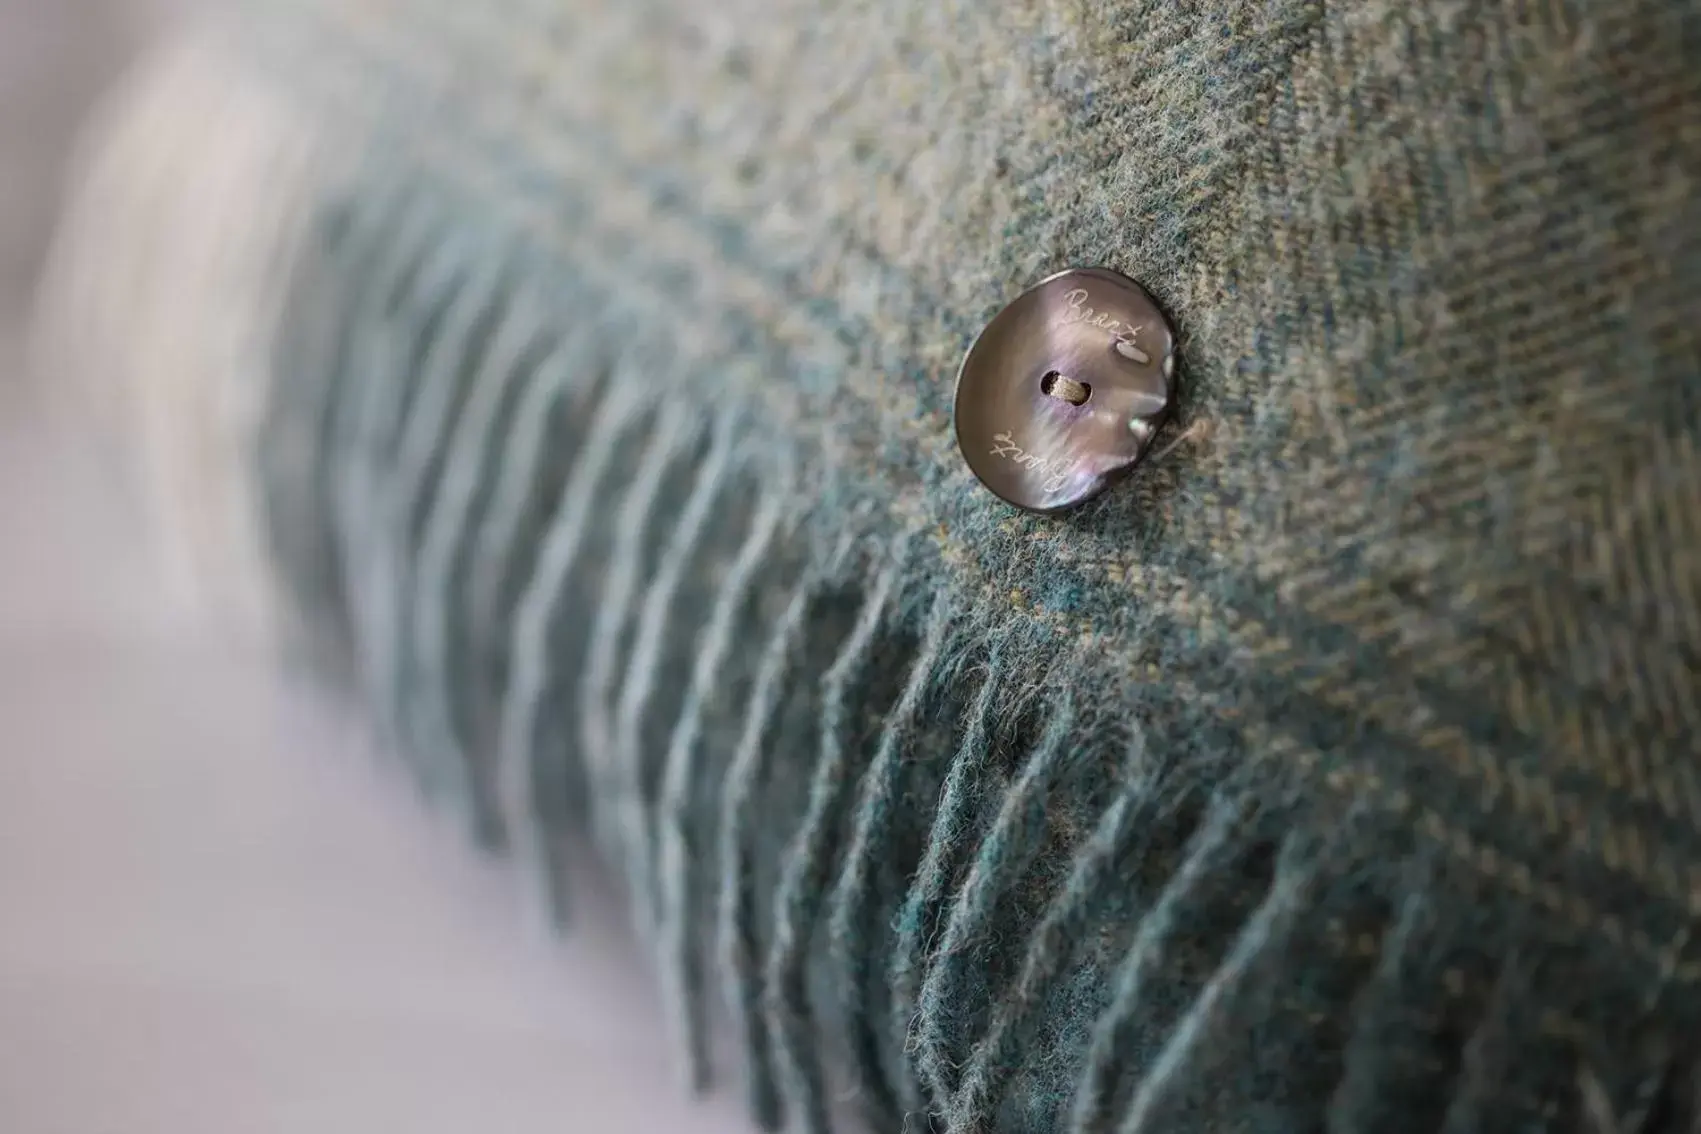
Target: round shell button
{"x":1064,"y":390}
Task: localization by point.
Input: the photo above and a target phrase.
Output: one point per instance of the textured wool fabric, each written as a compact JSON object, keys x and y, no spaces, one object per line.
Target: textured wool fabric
{"x":1337,"y":771}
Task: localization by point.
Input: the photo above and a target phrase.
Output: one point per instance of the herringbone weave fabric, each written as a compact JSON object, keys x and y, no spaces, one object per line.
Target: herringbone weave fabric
{"x":1339,"y":770}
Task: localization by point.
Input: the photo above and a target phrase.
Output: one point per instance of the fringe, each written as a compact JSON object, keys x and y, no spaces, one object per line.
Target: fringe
{"x":950,"y":832}
{"x":790,"y":1028}
{"x":535,"y":620}
{"x":643,"y":667}
{"x":1052,"y":946}
{"x":738,"y":940}
{"x":848,"y":931}
{"x":1004,"y":852}
{"x":1295,"y":875}
{"x":515,"y":498}
{"x":675,"y":881}
{"x":1143,"y":965}
{"x":394,"y":343}
{"x":437,"y":721}
{"x":438,"y":393}
{"x":298,"y":453}
{"x":617,"y":788}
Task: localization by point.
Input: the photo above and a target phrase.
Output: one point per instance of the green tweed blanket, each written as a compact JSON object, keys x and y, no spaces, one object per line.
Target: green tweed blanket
{"x":1339,"y":770}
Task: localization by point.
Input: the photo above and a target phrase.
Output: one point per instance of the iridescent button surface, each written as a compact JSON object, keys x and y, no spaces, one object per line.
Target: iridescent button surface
{"x":1064,"y":390}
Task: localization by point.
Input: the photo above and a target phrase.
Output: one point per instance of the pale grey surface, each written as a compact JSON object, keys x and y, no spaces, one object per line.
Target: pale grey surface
{"x":218,"y":912}
{"x":222,"y":914}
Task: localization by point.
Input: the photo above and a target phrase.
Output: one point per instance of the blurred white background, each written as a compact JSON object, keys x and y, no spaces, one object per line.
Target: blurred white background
{"x":218,"y":911}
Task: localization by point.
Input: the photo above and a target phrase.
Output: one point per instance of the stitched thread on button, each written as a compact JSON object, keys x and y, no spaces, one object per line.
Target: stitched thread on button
{"x":1065,"y":389}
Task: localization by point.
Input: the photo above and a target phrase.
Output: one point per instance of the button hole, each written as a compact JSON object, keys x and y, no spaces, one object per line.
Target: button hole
{"x":1065,"y":389}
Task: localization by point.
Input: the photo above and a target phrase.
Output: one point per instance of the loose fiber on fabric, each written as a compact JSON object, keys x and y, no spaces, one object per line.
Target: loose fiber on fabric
{"x":1341,"y":770}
